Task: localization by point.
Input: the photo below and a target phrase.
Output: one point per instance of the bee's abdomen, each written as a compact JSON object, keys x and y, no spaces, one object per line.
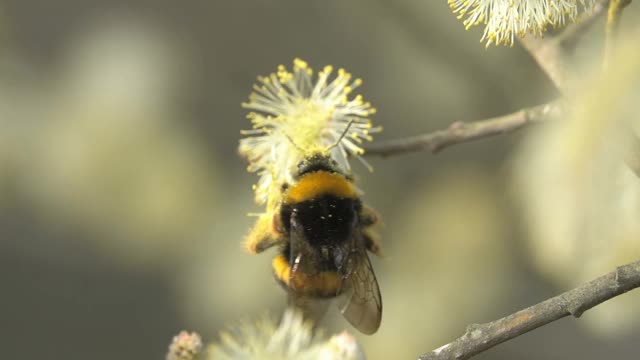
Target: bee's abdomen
{"x":324,"y":284}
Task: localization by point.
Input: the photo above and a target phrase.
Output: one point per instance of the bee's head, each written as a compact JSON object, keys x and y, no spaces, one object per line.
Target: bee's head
{"x":317,"y":162}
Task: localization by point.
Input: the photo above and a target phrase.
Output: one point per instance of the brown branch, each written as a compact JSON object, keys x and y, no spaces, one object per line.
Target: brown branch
{"x":459,"y":132}
{"x":573,"y":32}
{"x":611,"y":33}
{"x":549,"y":57}
{"x":632,"y":154}
{"x":549,"y":53}
{"x":480,"y":337}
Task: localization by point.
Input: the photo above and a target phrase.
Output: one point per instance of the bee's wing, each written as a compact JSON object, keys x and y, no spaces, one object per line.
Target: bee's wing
{"x":302,"y":255}
{"x":360,"y":301}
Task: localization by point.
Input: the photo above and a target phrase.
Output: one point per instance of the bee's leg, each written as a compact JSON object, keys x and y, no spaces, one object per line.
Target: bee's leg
{"x":368,"y":216}
{"x":263,"y":235}
{"x":372,"y":242}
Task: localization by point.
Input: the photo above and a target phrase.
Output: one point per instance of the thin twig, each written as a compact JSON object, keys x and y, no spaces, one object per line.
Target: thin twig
{"x":573,"y":32}
{"x":613,"y":23}
{"x":614,"y":15}
{"x":549,"y":57}
{"x":549,"y":53}
{"x":480,"y":337}
{"x":459,"y":132}
{"x":632,"y":154}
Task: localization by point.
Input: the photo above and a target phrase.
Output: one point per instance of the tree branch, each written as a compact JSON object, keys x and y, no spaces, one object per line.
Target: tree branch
{"x":573,"y":32}
{"x":611,"y":33}
{"x":459,"y":132}
{"x":632,"y":154}
{"x":480,"y":337}
{"x":549,"y":57}
{"x":549,"y":53}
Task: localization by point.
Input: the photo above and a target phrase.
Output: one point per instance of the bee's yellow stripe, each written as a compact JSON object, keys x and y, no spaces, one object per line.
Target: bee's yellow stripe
{"x":320,"y":183}
{"x":325,"y":283}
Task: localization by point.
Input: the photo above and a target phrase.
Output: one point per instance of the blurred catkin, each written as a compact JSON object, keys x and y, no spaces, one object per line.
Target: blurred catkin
{"x":293,"y":338}
{"x":580,"y":199}
{"x":185,"y":346}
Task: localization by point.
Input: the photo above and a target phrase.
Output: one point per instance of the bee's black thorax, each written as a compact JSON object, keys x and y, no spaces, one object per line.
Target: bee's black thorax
{"x":326,"y":220}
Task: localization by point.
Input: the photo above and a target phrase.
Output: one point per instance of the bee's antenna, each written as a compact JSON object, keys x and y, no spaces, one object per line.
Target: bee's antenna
{"x":344,"y":133}
{"x":293,"y":142}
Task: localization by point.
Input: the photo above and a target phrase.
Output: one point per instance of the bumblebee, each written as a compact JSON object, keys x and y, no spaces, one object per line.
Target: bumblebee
{"x":323,"y":232}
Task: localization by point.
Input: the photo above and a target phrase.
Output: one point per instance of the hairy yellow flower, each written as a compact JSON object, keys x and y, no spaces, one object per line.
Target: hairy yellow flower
{"x":505,"y":19}
{"x":184,"y":346}
{"x":294,"y":338}
{"x":294,"y":116}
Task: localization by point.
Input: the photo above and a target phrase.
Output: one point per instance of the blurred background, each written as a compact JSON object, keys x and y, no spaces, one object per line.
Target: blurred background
{"x":123,"y":202}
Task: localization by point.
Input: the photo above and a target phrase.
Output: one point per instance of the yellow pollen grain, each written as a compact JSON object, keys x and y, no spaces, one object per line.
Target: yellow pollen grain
{"x":299,"y":64}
